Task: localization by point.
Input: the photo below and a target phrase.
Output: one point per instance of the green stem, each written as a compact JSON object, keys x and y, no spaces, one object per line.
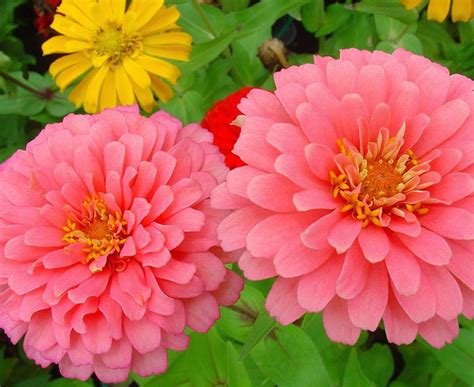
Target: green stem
{"x":23,"y":85}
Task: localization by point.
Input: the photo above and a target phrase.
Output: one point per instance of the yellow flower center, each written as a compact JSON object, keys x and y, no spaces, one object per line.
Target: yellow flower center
{"x":111,"y":44}
{"x":378,"y":181}
{"x":100,"y":231}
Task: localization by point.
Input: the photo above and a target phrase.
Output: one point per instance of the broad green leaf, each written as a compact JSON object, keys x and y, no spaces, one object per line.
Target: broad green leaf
{"x":236,"y":373}
{"x":353,"y":375}
{"x":21,"y":103}
{"x":261,"y":15}
{"x":6,"y":368}
{"x":233,"y":5}
{"x":390,"y":8}
{"x":312,"y":15}
{"x":204,"y":53}
{"x":458,"y":357}
{"x":377,"y":363}
{"x":59,"y":106}
{"x":237,"y":320}
{"x":411,"y":43}
{"x":389,"y":28}
{"x":386,"y":46}
{"x":69,"y":383}
{"x":336,"y":16}
{"x":193,"y":23}
{"x":264,"y":324}
{"x":443,"y":378}
{"x":187,"y":107}
{"x":289,"y":358}
{"x":334,"y":354}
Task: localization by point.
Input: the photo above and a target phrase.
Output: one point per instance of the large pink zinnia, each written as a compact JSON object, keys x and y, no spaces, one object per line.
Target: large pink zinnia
{"x":358,"y":195}
{"x":105,"y":238}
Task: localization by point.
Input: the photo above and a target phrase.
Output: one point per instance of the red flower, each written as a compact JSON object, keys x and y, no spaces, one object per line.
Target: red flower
{"x":218,"y":121}
{"x":44,"y":11}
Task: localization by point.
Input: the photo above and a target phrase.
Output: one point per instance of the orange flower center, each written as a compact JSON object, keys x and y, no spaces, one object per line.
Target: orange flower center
{"x":100,"y":231}
{"x":379,"y":181}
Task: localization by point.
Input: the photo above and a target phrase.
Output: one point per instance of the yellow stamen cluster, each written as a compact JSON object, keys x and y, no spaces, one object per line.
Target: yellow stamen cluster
{"x":99,"y":230}
{"x":377,"y":181}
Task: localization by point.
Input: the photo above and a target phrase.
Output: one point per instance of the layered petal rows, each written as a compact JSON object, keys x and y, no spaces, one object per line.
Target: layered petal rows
{"x":358,"y":195}
{"x":108,"y":243}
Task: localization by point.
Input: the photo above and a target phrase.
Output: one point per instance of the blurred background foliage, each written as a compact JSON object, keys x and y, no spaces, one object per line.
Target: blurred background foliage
{"x":233,"y":47}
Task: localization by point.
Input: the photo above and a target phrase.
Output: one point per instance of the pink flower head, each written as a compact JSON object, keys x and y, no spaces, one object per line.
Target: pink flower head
{"x":105,"y":238}
{"x":358,"y":195}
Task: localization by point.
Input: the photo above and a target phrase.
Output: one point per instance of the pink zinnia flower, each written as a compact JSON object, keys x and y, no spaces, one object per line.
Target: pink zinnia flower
{"x":105,"y":238}
{"x":358,"y":195}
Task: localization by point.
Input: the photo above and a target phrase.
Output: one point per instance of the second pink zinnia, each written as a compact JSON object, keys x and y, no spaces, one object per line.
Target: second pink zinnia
{"x":107,"y":240}
{"x":358,"y":195}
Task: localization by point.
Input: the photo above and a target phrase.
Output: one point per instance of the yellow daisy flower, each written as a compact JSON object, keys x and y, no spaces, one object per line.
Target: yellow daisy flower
{"x":118,"y":52}
{"x":462,"y":10}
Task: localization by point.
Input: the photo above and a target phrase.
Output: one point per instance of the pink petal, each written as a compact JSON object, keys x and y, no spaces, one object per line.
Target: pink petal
{"x":450,"y":222}
{"x":337,"y":323}
{"x":421,"y":306}
{"x":153,"y":363}
{"x":97,"y":339}
{"x":343,"y":234}
{"x":144,"y":335}
{"x":341,"y":77}
{"x":229,"y":291}
{"x":374,"y":243}
{"x":109,"y":375}
{"x":320,"y":160}
{"x":314,"y":199}
{"x":439,"y":332}
{"x":201,"y":312}
{"x":316,"y":235}
{"x":315,"y":290}
{"x":354,"y":274}
{"x":316,"y":126}
{"x":282,"y":301}
{"x":403,"y":269}
{"x":69,"y":370}
{"x":256,"y":269}
{"x":401,"y":226}
{"x":44,"y":237}
{"x":273,"y":192}
{"x":119,"y":356}
{"x":294,"y":259}
{"x":399,"y":328}
{"x":460,"y":264}
{"x":428,"y":246}
{"x":367,"y":308}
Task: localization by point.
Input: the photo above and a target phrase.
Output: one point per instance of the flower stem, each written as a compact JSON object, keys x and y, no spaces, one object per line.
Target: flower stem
{"x":9,"y":78}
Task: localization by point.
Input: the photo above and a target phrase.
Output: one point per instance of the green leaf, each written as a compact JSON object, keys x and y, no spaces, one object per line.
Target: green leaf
{"x":411,"y":43}
{"x":234,"y":5}
{"x":59,"y":106}
{"x":21,"y":103}
{"x":386,"y":46}
{"x":187,"y":107}
{"x":69,"y":383}
{"x":334,"y":354}
{"x":289,"y":358}
{"x":443,"y":378}
{"x":264,"y":324}
{"x":354,"y":376}
{"x":204,"y":53}
{"x":261,"y":15}
{"x":194,"y":24}
{"x":237,"y":320}
{"x":312,"y":15}
{"x":389,"y":28}
{"x":377,"y":363}
{"x":6,"y":368}
{"x":390,"y":8}
{"x":458,"y":357}
{"x":336,"y":16}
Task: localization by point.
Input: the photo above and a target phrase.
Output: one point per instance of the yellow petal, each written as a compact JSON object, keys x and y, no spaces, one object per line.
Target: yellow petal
{"x":91,"y":102}
{"x":145,"y":12}
{"x":63,"y":44}
{"x":410,"y":4}
{"x":78,"y":12}
{"x":168,"y":38}
{"x":169,"y":51}
{"x":66,"y":77}
{"x":461,"y":11}
{"x":66,"y":61}
{"x":160,"y":88}
{"x":77,"y":96}
{"x":68,"y":27}
{"x":159,"y":67}
{"x":136,"y":72}
{"x":115,"y":9}
{"x":123,"y":87}
{"x":438,"y":10}
{"x":108,"y":96}
{"x":163,"y":19}
{"x":144,"y":97}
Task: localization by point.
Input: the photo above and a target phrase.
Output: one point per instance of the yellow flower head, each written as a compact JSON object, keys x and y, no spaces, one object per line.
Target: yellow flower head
{"x":119,"y":52}
{"x":461,"y":11}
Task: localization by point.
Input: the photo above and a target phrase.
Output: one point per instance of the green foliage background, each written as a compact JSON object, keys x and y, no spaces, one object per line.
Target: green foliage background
{"x":247,"y":348}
